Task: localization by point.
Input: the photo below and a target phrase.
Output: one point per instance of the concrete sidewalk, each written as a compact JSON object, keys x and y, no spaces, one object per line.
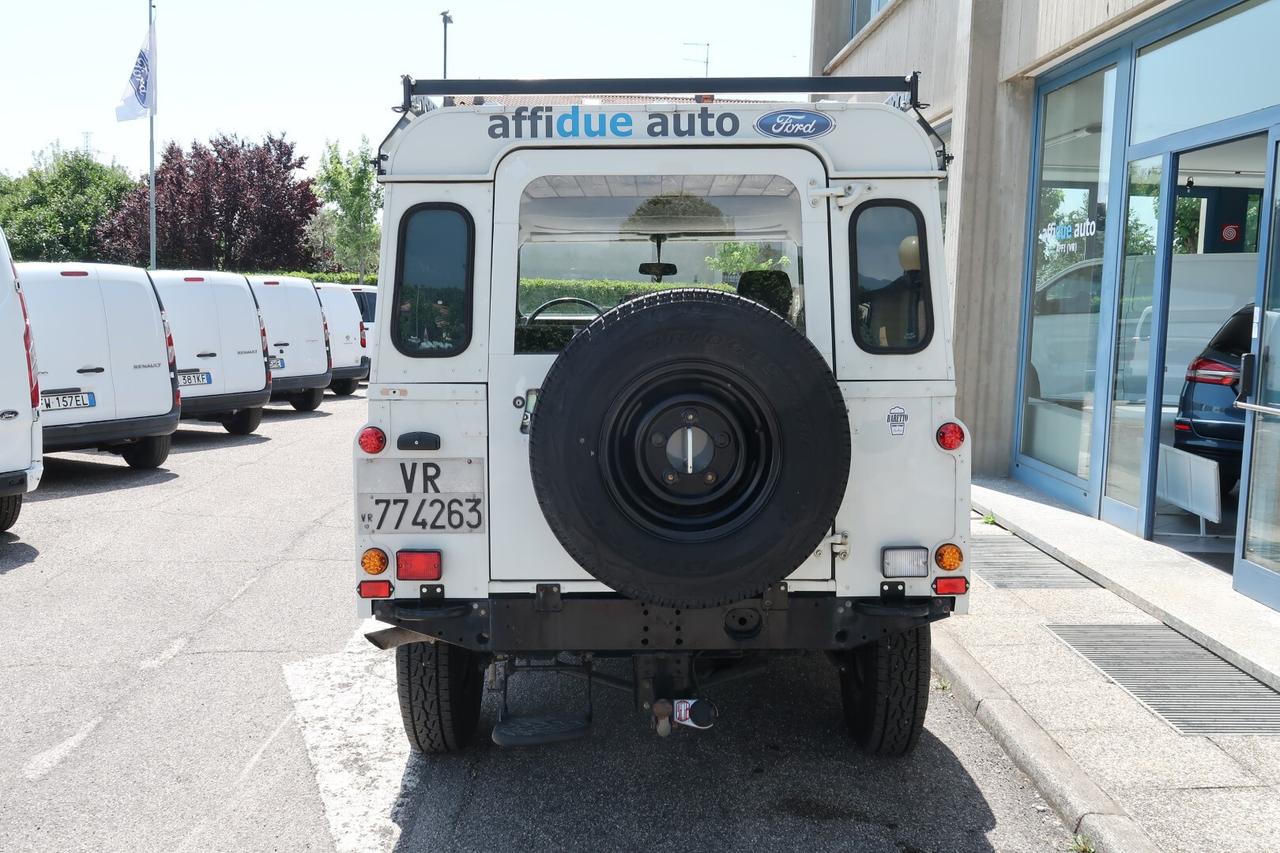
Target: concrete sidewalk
{"x":1114,"y":771}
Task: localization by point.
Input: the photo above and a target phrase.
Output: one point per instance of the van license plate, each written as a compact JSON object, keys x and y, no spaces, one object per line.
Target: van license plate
{"x":68,"y":401}
{"x":195,"y":378}
{"x":275,"y":363}
{"x":421,"y":496}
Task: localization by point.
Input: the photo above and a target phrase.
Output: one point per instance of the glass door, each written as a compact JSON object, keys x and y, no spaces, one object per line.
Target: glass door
{"x":1257,"y":567}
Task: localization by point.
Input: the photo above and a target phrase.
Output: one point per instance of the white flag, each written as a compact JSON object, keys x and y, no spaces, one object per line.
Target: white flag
{"x":139,"y":97}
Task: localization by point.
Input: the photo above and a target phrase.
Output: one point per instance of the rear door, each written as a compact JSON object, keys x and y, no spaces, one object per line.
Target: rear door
{"x":343,"y":314}
{"x":70,"y":327}
{"x":239,"y":341}
{"x":193,"y":317}
{"x":295,"y":327}
{"x":15,"y":387}
{"x":744,"y":188}
{"x":139,"y":366}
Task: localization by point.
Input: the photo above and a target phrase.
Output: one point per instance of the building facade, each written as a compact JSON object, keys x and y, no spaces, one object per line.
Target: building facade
{"x":1111,"y":238}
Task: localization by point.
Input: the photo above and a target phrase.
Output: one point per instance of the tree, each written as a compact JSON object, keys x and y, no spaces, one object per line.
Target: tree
{"x":733,"y":258}
{"x":321,"y":239}
{"x":51,"y":212}
{"x":348,"y":185}
{"x":230,"y":204}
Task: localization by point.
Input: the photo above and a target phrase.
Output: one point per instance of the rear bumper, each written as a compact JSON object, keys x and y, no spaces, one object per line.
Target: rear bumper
{"x":100,"y":433}
{"x":13,"y":483}
{"x":527,"y":623}
{"x":359,"y":371}
{"x":224,"y":404}
{"x":290,"y":384}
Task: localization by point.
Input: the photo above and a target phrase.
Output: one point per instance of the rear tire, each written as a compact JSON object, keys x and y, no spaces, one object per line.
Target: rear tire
{"x":149,"y":452}
{"x":344,"y":387}
{"x":308,"y":400}
{"x":10,"y":506}
{"x":243,"y":422}
{"x":884,"y":687}
{"x":441,"y":687}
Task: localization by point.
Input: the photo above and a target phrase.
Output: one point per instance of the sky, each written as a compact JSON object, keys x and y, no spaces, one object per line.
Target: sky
{"x":323,"y":70}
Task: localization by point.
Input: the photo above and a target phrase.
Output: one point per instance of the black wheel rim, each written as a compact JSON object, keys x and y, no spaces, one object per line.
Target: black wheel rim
{"x":690,"y":452}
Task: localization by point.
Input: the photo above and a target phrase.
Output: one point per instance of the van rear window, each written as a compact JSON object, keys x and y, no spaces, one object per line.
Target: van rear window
{"x":432,"y":315}
{"x":892,"y":307}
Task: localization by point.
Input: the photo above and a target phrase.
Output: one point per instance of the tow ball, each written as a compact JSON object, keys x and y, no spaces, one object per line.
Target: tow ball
{"x":694,"y":713}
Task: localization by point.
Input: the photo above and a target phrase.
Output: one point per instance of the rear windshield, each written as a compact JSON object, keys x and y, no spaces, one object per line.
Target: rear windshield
{"x":432,"y":315}
{"x":1235,"y":336}
{"x":590,"y":242}
{"x":892,"y":308}
{"x":367,"y":301}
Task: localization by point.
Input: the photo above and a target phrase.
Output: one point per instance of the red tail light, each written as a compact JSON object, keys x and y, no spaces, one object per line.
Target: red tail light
{"x":375,"y":589}
{"x":418,"y":565}
{"x":950,"y":436}
{"x":951,"y":586}
{"x":372,"y":439}
{"x":266,"y":352}
{"x":29,"y":343}
{"x":173,"y":358}
{"x":363,"y":342}
{"x":75,"y":273}
{"x":193,"y":278}
{"x":1207,"y":371}
{"x":328,"y":353}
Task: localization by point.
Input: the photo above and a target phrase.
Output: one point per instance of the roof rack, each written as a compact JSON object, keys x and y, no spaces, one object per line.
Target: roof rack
{"x":908,"y":85}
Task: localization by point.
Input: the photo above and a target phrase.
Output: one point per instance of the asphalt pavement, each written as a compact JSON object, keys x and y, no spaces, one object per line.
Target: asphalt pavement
{"x":182,"y":670}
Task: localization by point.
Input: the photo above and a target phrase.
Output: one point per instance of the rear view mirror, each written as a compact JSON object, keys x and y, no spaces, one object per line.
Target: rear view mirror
{"x":658,"y":269}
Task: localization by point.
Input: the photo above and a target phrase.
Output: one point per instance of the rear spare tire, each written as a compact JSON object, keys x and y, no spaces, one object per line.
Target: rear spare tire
{"x":689,"y":448}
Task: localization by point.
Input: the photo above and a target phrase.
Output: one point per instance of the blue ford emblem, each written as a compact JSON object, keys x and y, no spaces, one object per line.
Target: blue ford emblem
{"x":792,"y":124}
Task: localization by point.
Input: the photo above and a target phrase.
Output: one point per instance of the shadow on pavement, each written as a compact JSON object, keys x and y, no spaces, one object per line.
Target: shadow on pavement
{"x":13,"y":552}
{"x":67,"y":477}
{"x":778,"y":772}
{"x":282,"y":411}
{"x":188,"y":440}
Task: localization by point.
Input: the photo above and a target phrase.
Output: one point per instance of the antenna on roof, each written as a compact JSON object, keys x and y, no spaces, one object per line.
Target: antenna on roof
{"x":706,"y":55}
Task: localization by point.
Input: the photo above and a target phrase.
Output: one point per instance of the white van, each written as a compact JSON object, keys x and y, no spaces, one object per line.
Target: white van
{"x":20,"y":439}
{"x":346,"y":337}
{"x":367,"y":298}
{"x":107,"y":374}
{"x":221,"y":345}
{"x":297,"y":340}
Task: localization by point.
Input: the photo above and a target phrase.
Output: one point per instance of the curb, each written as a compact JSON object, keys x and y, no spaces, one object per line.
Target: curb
{"x":1249,"y":667}
{"x":1081,"y":804}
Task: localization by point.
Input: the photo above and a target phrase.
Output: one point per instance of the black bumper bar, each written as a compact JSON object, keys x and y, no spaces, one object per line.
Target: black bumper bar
{"x":359,"y":371}
{"x":528,"y":623}
{"x":281,"y":385}
{"x":224,"y":404}
{"x":13,"y":483}
{"x":103,"y":433}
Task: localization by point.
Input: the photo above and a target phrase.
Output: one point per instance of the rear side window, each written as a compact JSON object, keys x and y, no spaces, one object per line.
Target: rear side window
{"x":892,"y":308}
{"x":367,"y":302}
{"x":1236,"y":335}
{"x":432,"y":315}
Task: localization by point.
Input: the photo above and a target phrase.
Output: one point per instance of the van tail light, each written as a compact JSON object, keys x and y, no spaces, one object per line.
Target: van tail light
{"x":951,"y":586}
{"x":328,"y":353}
{"x":375,"y":589}
{"x":173,"y":358}
{"x":363,"y":342}
{"x":950,"y":436}
{"x":372,"y":440}
{"x":1208,"y":371}
{"x":29,"y":344}
{"x":266,"y":351}
{"x":418,"y":565}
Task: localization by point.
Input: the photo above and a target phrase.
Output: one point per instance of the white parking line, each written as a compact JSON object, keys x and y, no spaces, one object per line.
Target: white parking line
{"x":52,"y":757}
{"x":165,"y":656}
{"x":349,"y":716}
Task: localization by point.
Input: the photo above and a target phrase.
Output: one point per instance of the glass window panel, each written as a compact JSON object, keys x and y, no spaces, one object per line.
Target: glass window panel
{"x":1067,"y":265}
{"x":1125,"y":446}
{"x":1220,"y":68}
{"x":433,"y":281}
{"x":892,"y":306}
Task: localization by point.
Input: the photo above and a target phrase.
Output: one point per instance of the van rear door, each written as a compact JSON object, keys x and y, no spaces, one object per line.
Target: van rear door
{"x":188,"y":300}
{"x":295,"y":326}
{"x":240,"y":342}
{"x":69,"y":322}
{"x":15,"y":387}
{"x":139,"y":355}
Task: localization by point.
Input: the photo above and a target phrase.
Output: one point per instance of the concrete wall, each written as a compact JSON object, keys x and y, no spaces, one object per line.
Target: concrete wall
{"x":832,"y":28}
{"x":1038,"y":32}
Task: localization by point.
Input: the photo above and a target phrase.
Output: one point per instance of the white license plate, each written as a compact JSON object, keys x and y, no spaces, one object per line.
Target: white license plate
{"x":421,"y":496}
{"x":275,"y":363}
{"x":85,"y":400}
{"x":198,"y":378}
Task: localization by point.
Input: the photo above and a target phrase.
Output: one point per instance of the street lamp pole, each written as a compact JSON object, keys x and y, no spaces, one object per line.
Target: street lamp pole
{"x":446,"y":19}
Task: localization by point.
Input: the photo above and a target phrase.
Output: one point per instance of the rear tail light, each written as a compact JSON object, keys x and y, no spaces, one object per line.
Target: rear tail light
{"x":1207,"y":371}
{"x":29,"y":344}
{"x":266,"y":352}
{"x":75,"y":273}
{"x":951,"y":586}
{"x":173,"y":358}
{"x":193,"y":278}
{"x":375,"y":589}
{"x":950,"y":436}
{"x":1182,"y":426}
{"x":328,"y":353}
{"x":418,"y":565}
{"x":374,"y":561}
{"x":372,"y":440}
{"x":948,"y":557}
{"x":363,"y":342}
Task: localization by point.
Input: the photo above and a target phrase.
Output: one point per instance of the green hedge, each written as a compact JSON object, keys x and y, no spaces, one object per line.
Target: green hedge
{"x":335,"y":277}
{"x":603,"y":292}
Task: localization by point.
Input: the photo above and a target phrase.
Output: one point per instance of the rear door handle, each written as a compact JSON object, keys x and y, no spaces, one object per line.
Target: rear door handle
{"x":206,"y":355}
{"x":91,"y":370}
{"x":280,"y":344}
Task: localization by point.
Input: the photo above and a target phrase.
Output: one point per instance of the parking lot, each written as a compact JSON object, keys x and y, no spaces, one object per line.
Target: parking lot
{"x":183,"y":672}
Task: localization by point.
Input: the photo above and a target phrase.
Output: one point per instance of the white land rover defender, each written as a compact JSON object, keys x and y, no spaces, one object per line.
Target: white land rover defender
{"x":661,"y":379}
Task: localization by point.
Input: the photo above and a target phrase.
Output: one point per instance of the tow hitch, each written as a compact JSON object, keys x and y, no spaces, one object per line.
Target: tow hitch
{"x":694,"y":713}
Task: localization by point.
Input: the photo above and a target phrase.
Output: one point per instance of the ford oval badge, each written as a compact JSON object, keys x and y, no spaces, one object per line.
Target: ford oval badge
{"x":794,"y":124}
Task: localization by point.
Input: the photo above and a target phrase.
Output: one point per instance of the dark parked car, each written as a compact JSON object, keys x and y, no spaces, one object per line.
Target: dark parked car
{"x":1208,"y":423}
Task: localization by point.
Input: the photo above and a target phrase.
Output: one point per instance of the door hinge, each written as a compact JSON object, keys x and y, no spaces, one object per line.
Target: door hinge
{"x":839,"y":543}
{"x":844,"y":196}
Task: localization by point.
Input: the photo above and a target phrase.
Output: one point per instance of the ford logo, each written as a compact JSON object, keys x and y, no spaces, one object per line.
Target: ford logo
{"x":794,"y":124}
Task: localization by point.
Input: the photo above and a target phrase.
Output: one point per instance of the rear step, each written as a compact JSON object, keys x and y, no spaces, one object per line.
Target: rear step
{"x":543,"y":729}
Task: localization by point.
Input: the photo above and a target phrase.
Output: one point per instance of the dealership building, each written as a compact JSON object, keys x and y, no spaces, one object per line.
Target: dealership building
{"x":1111,"y":239}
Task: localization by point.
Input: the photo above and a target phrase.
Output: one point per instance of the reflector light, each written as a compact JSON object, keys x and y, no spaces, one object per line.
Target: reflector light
{"x":372,"y":440}
{"x":951,"y":586}
{"x":1182,"y":426}
{"x":75,"y":273}
{"x":1207,"y":371}
{"x":948,"y":557}
{"x":418,"y":565}
{"x":904,"y":562}
{"x":375,"y":589}
{"x":950,"y":436}
{"x":374,"y":561}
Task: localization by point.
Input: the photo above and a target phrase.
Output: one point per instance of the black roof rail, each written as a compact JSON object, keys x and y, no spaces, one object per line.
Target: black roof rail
{"x":908,"y":85}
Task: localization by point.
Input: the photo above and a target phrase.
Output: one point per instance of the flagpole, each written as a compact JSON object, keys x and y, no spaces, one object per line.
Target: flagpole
{"x":151,"y":173}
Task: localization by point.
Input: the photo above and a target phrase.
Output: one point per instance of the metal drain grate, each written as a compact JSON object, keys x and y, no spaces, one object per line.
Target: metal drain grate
{"x":1186,"y":685}
{"x":1006,"y":562}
